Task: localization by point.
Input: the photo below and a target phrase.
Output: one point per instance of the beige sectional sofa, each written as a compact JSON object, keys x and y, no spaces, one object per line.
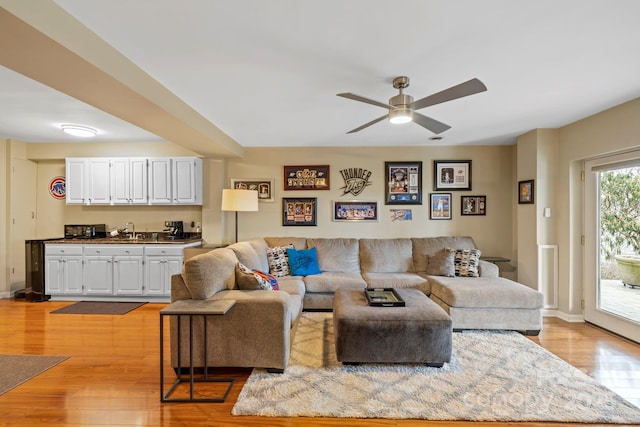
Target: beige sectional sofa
{"x":258,"y":330}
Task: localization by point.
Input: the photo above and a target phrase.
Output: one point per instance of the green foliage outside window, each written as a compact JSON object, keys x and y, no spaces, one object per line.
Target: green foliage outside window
{"x":620,"y":212}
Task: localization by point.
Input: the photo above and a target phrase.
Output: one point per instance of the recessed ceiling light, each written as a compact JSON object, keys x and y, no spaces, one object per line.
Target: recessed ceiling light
{"x":76,"y":130}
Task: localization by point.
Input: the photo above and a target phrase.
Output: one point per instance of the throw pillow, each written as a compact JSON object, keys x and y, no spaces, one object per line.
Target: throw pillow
{"x":249,"y":280}
{"x":303,"y":262}
{"x":278,"y":260}
{"x":442,"y":263}
{"x":466,"y":262}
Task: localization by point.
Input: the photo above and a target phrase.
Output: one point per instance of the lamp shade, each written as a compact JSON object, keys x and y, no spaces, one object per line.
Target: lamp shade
{"x":239,"y":200}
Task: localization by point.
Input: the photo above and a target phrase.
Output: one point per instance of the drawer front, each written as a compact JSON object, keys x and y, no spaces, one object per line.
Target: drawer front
{"x":112,"y":250}
{"x":163,"y":250}
{"x":63,"y":249}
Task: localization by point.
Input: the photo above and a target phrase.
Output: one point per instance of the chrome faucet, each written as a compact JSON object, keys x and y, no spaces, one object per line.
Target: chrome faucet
{"x":133,"y":229}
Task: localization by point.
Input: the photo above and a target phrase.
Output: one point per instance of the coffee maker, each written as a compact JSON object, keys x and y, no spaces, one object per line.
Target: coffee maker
{"x":175,"y":229}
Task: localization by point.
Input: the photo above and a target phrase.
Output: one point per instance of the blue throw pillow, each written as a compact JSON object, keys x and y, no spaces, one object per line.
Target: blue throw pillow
{"x":303,"y":262}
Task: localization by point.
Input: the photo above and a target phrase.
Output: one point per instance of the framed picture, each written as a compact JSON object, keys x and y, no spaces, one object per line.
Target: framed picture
{"x":473,"y":205}
{"x":306,"y":177}
{"x":451,"y":175}
{"x":404,"y":183}
{"x":299,"y":211}
{"x":440,"y":206}
{"x":355,"y":211}
{"x":264,"y":187}
{"x":525,"y":192}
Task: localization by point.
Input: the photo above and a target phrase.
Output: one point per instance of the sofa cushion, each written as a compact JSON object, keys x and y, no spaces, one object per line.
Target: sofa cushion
{"x":442,"y":263}
{"x":329,"y":281}
{"x":297,"y":242}
{"x":247,"y":255}
{"x":303,"y":262}
{"x":386,"y":255}
{"x":466,"y":262}
{"x":422,"y":247}
{"x":260,"y":246}
{"x":484,"y":292}
{"x":211,"y":272}
{"x":339,"y":254}
{"x":397,"y":280}
{"x":278,"y":260}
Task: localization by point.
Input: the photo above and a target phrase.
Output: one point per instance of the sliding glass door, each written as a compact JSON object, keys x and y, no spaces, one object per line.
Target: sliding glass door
{"x":612,"y":243}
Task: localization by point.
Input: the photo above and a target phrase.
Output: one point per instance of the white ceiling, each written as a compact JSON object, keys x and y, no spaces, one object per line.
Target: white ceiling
{"x":266,"y":73}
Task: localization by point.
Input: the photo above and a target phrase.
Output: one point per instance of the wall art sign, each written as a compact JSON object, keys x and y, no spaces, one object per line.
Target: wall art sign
{"x":264,"y":187}
{"x":355,"y":211}
{"x":299,"y":211}
{"x":401,"y":214}
{"x":473,"y":205}
{"x":355,"y":180}
{"x":306,"y":177}
{"x":404,"y":183}
{"x":440,"y":206}
{"x":525,"y":192}
{"x":451,"y":175}
{"x":58,"y":187}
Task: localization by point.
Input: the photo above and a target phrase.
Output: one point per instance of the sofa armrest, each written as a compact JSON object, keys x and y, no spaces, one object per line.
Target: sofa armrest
{"x":179,"y":289}
{"x":488,"y":269}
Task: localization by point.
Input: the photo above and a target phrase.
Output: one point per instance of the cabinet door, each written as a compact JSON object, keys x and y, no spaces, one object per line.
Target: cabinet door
{"x":160,"y":180}
{"x":98,"y":181}
{"x":138,"y":176}
{"x":53,"y":272}
{"x":127,"y":275}
{"x":119,"y":190}
{"x":154,"y":275}
{"x":187,"y":180}
{"x":75,"y":180}
{"x":174,"y":266}
{"x":98,"y":275}
{"x":73,"y":268}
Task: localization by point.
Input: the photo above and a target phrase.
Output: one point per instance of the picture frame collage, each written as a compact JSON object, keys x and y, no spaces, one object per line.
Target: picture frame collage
{"x":403,"y":186}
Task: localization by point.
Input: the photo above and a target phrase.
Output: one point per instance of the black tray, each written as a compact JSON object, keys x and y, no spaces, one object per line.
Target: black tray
{"x":383,"y":297}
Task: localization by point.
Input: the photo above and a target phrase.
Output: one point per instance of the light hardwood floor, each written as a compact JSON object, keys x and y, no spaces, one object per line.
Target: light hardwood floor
{"x":112,"y":375}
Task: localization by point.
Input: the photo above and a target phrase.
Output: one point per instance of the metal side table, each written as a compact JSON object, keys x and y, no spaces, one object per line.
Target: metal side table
{"x":189,"y":309}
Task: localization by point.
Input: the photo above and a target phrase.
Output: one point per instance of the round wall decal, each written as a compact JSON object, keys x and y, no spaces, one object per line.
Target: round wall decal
{"x":58,"y":187}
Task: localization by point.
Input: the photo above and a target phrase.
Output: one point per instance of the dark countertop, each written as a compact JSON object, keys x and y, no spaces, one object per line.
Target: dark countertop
{"x":124,"y":241}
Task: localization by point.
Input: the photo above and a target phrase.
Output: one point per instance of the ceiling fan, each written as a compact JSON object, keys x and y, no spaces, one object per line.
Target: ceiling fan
{"x":402,"y":108}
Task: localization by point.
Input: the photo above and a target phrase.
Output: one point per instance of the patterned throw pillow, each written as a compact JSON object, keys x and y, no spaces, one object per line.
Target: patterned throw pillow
{"x":249,"y":280}
{"x":278,"y":260}
{"x":466,"y":262}
{"x":303,"y":262}
{"x":442,"y":263}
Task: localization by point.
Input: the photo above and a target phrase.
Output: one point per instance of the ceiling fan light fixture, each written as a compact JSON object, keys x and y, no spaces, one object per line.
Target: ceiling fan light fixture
{"x":400,"y":116}
{"x":77,"y":130}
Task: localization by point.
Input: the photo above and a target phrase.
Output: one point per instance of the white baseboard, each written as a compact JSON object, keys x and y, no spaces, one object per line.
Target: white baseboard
{"x":562,"y":315}
{"x":6,"y":295}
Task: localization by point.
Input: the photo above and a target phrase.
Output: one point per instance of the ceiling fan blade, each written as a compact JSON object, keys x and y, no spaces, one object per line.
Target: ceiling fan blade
{"x":366,"y":125}
{"x":467,"y":88}
{"x":355,"y":97}
{"x":429,"y":123}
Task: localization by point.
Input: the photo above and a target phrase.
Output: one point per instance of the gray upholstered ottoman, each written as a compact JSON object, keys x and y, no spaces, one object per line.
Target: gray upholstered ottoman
{"x":420,"y":332}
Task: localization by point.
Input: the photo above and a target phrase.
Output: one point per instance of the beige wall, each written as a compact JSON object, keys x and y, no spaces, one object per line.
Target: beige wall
{"x":4,"y":219}
{"x":492,"y":175}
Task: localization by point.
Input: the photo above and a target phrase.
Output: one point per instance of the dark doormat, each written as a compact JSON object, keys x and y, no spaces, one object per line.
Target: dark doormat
{"x":99,"y":307}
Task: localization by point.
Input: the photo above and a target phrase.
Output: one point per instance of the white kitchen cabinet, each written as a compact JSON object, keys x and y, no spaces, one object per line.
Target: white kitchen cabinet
{"x":128,"y":184}
{"x":187,"y":180}
{"x":161,"y":262}
{"x":113,"y":269}
{"x":63,"y":269}
{"x":134,"y":181}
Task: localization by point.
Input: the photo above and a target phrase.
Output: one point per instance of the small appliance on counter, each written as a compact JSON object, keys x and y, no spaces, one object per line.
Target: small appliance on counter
{"x":175,"y":229}
{"x":85,"y":231}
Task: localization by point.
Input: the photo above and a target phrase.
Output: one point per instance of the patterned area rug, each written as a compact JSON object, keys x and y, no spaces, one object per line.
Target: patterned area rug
{"x":493,"y":376}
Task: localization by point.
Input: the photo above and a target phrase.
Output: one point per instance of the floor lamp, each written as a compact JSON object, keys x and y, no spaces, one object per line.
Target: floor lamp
{"x":239,"y":201}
